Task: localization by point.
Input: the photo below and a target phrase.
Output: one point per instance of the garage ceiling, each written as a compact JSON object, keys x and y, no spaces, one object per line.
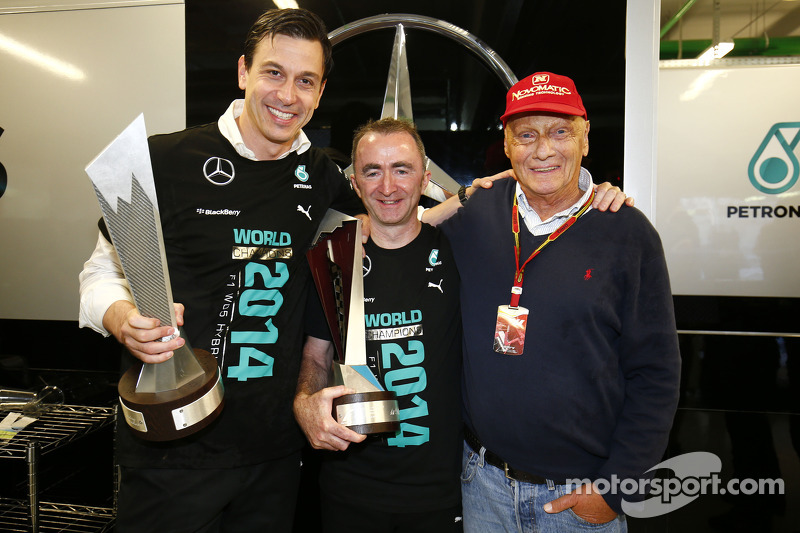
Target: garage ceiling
{"x":757,"y":27}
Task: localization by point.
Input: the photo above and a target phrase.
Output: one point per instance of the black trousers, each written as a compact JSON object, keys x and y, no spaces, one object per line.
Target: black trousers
{"x":231,"y":500}
{"x":340,"y":517}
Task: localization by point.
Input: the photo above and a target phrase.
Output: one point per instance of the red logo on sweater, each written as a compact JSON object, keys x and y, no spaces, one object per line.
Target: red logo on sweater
{"x":588,"y":274}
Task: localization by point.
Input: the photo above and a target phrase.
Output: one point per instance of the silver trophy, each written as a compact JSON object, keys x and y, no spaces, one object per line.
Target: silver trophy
{"x":335,"y":262}
{"x":184,"y":394}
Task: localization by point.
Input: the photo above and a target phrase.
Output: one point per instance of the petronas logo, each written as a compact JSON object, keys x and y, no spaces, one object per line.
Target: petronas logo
{"x":300,"y":173}
{"x":774,"y":167}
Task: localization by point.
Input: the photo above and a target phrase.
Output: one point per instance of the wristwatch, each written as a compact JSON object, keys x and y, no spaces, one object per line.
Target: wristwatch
{"x":462,"y":195}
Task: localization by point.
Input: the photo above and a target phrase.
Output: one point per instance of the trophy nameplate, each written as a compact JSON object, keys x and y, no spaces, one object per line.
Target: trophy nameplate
{"x":184,"y":394}
{"x":336,"y":267}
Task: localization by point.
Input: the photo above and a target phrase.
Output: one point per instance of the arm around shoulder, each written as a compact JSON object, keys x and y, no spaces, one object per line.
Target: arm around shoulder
{"x":443,"y":211}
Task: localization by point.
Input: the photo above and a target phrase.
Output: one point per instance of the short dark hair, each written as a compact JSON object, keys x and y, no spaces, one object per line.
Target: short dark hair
{"x":297,"y":23}
{"x":387,"y":126}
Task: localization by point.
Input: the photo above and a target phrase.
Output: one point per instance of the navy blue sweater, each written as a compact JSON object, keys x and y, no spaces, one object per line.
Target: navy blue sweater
{"x":595,"y":391}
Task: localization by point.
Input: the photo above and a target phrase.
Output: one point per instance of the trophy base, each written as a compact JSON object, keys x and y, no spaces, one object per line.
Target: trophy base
{"x":368,"y":412}
{"x":177,"y":413}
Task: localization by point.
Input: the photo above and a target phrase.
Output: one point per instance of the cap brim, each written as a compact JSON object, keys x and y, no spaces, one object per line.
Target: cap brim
{"x":564,"y":109}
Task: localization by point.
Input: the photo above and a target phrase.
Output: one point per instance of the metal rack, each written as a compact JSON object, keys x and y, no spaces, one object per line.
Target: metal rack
{"x":56,"y":426}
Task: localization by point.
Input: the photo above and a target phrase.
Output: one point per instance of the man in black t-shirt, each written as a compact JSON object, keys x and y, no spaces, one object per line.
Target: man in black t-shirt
{"x":408,"y":480}
{"x":240,"y":202}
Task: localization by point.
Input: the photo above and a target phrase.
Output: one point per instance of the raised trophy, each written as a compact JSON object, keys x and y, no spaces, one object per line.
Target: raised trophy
{"x":184,"y":394}
{"x":335,"y":261}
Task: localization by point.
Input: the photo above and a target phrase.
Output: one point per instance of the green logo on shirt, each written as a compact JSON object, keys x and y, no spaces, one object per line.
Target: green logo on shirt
{"x":301,"y":173}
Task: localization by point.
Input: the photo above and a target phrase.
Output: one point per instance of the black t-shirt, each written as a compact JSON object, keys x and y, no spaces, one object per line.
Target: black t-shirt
{"x":236,"y":232}
{"x":413,"y":329}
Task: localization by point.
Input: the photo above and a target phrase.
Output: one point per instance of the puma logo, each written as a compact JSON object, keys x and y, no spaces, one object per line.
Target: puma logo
{"x":304,"y":211}
{"x":439,"y":286}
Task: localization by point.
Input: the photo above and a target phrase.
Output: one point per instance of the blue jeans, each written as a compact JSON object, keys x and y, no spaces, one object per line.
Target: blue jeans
{"x":494,"y":503}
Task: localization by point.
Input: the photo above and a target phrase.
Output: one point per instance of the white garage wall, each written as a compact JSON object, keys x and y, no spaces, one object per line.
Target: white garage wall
{"x":728,"y":188}
{"x":73,"y":76}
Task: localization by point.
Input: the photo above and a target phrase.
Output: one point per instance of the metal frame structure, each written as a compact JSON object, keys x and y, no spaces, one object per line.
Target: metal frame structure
{"x":56,"y":426}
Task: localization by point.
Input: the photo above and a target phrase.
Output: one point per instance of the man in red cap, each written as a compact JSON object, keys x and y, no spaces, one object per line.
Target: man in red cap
{"x":571,"y":362}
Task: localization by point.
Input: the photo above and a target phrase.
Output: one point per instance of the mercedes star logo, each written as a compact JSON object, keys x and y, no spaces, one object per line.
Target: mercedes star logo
{"x":218,"y":171}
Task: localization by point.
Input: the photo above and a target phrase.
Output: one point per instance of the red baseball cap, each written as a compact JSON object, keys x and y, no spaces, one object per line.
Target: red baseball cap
{"x":544,"y":91}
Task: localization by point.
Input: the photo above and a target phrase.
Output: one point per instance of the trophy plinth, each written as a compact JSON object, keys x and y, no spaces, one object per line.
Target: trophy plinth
{"x":177,"y":413}
{"x":335,"y":262}
{"x":367,"y":412}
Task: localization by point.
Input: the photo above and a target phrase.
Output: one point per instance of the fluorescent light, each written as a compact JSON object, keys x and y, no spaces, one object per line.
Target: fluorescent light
{"x":284,"y":4}
{"x":716,"y":52}
{"x":702,"y":83}
{"x":30,"y":55}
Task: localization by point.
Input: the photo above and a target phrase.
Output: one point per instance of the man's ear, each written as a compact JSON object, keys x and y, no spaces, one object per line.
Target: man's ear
{"x":354,"y":183}
{"x":586,"y":140}
{"x":242,"y":74}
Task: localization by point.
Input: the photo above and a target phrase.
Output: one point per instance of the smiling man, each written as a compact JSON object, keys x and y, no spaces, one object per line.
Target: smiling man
{"x":240,"y":201}
{"x":406,"y":481}
{"x":571,"y":361}
{"x":283,"y":81}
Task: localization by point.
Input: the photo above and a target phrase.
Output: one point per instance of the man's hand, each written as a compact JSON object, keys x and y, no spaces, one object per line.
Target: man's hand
{"x":439,"y":213}
{"x":487,"y":182}
{"x":585,"y":502}
{"x":313,"y":413}
{"x":609,"y":197}
{"x":142,"y":335}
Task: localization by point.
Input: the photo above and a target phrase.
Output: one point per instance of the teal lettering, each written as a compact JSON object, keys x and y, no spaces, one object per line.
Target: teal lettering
{"x":258,"y":302}
{"x":270,"y":281}
{"x":271,"y":238}
{"x":415,"y":377}
{"x":256,"y":337}
{"x":244,"y":371}
{"x":393,"y":319}
{"x":415,"y":355}
{"x":241,"y":236}
{"x":409,"y":435}
{"x":247,"y":307}
{"x":421,"y":409}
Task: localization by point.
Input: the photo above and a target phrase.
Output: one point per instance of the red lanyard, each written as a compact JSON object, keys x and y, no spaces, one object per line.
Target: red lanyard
{"x":516,"y":290}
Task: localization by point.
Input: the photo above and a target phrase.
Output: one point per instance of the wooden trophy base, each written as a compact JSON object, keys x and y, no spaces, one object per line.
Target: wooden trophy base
{"x":173,"y":414}
{"x":368,"y":412}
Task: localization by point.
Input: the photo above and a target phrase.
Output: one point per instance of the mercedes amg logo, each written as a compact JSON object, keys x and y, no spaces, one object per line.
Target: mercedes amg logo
{"x":366,"y":265}
{"x":218,"y":171}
